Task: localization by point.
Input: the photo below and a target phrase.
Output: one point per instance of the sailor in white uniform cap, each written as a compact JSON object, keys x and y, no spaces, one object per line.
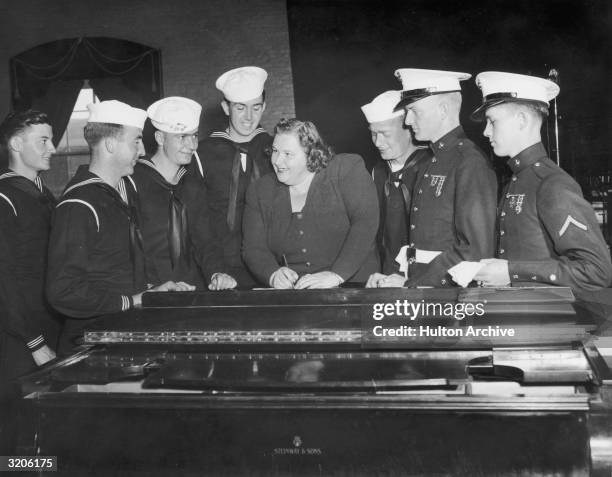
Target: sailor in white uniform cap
{"x":394,"y":178}
{"x":175,"y":115}
{"x":233,"y":158}
{"x":174,"y":216}
{"x":117,"y":113}
{"x":547,"y":232}
{"x":453,"y":201}
{"x":176,"y":120}
{"x":242,"y":84}
{"x":96,"y":258}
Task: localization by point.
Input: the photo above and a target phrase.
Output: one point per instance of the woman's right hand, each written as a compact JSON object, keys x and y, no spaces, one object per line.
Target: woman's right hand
{"x":283,"y":278}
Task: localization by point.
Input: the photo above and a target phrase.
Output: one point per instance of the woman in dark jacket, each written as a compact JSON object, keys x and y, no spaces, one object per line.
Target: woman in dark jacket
{"x":313,"y":223}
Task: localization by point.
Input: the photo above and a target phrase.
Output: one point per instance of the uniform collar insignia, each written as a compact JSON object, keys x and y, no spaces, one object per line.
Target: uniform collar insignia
{"x":447,"y":142}
{"x":527,"y":157}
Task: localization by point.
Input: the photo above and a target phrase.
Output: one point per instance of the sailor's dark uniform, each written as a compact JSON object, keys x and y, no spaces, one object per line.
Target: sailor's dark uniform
{"x":27,"y":322}
{"x":175,"y":224}
{"x":394,"y":197}
{"x":96,"y":260}
{"x":221,"y":168}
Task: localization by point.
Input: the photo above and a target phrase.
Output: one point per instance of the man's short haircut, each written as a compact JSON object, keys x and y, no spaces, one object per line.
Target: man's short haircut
{"x":454,"y":100}
{"x":537,"y":109}
{"x":263,"y":98}
{"x":95,"y":132}
{"x":17,"y":121}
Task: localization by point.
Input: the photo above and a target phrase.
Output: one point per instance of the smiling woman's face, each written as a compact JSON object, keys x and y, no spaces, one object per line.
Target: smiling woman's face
{"x":289,"y":159}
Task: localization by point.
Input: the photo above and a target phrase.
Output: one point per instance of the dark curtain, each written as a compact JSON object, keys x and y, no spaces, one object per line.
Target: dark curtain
{"x":58,"y":102}
{"x":116,"y":88}
{"x":48,"y":77}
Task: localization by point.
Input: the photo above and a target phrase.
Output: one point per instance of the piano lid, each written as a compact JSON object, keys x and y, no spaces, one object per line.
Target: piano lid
{"x":348,"y":318}
{"x":420,"y":372}
{"x":268,"y":298}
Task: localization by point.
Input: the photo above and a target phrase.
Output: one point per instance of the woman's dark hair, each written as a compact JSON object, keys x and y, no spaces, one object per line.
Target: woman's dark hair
{"x":318,"y":153}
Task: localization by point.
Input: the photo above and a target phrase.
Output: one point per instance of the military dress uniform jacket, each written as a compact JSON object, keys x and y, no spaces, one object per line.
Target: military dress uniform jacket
{"x":453,"y":209}
{"x":394,"y":191}
{"x":220,"y":167}
{"x":175,"y":225}
{"x":27,"y":322}
{"x":335,"y":231}
{"x":547,"y":231}
{"x":96,"y":261}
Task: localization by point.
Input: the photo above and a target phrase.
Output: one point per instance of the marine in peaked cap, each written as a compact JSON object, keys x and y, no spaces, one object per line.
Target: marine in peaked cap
{"x":453,"y":200}
{"x":547,"y":232}
{"x":418,"y":83}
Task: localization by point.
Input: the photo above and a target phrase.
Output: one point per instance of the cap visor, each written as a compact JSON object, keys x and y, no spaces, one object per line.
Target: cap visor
{"x":409,"y":100}
{"x":479,"y":113}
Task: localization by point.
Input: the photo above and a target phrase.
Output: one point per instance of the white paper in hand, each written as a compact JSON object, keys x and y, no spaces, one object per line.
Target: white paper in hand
{"x":464,"y":272}
{"x":402,"y":259}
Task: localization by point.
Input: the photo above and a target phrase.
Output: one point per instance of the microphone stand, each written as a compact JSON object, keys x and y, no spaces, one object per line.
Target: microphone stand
{"x":553,"y":75}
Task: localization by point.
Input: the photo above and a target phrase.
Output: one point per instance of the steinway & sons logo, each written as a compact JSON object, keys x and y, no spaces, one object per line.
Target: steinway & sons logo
{"x":297,"y":449}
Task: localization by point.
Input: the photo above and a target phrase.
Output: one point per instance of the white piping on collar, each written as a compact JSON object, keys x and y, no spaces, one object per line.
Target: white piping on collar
{"x":86,"y":204}
{"x":9,"y":202}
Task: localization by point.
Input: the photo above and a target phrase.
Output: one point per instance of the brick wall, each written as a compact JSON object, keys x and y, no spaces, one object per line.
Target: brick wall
{"x":199,"y":40}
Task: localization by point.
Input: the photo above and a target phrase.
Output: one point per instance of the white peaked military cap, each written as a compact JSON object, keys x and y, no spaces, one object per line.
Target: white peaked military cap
{"x":383,"y":107}
{"x":418,"y":84}
{"x":175,"y":114}
{"x":498,"y":87}
{"x":116,"y":112}
{"x":242,"y":84}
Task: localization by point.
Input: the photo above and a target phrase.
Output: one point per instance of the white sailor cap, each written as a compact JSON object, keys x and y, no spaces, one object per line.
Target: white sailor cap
{"x":418,"y":84}
{"x":242,"y":84}
{"x":116,"y":112}
{"x":498,"y":87}
{"x":383,"y":107}
{"x":175,"y":114}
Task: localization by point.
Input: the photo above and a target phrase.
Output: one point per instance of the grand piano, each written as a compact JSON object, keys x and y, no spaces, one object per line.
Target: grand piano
{"x":302,"y":383}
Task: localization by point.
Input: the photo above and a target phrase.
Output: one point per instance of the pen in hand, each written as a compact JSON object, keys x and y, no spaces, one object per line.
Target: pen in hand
{"x":284,"y":277}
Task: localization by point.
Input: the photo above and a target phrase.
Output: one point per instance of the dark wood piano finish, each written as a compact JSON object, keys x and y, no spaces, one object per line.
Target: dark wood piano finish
{"x":287,"y":383}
